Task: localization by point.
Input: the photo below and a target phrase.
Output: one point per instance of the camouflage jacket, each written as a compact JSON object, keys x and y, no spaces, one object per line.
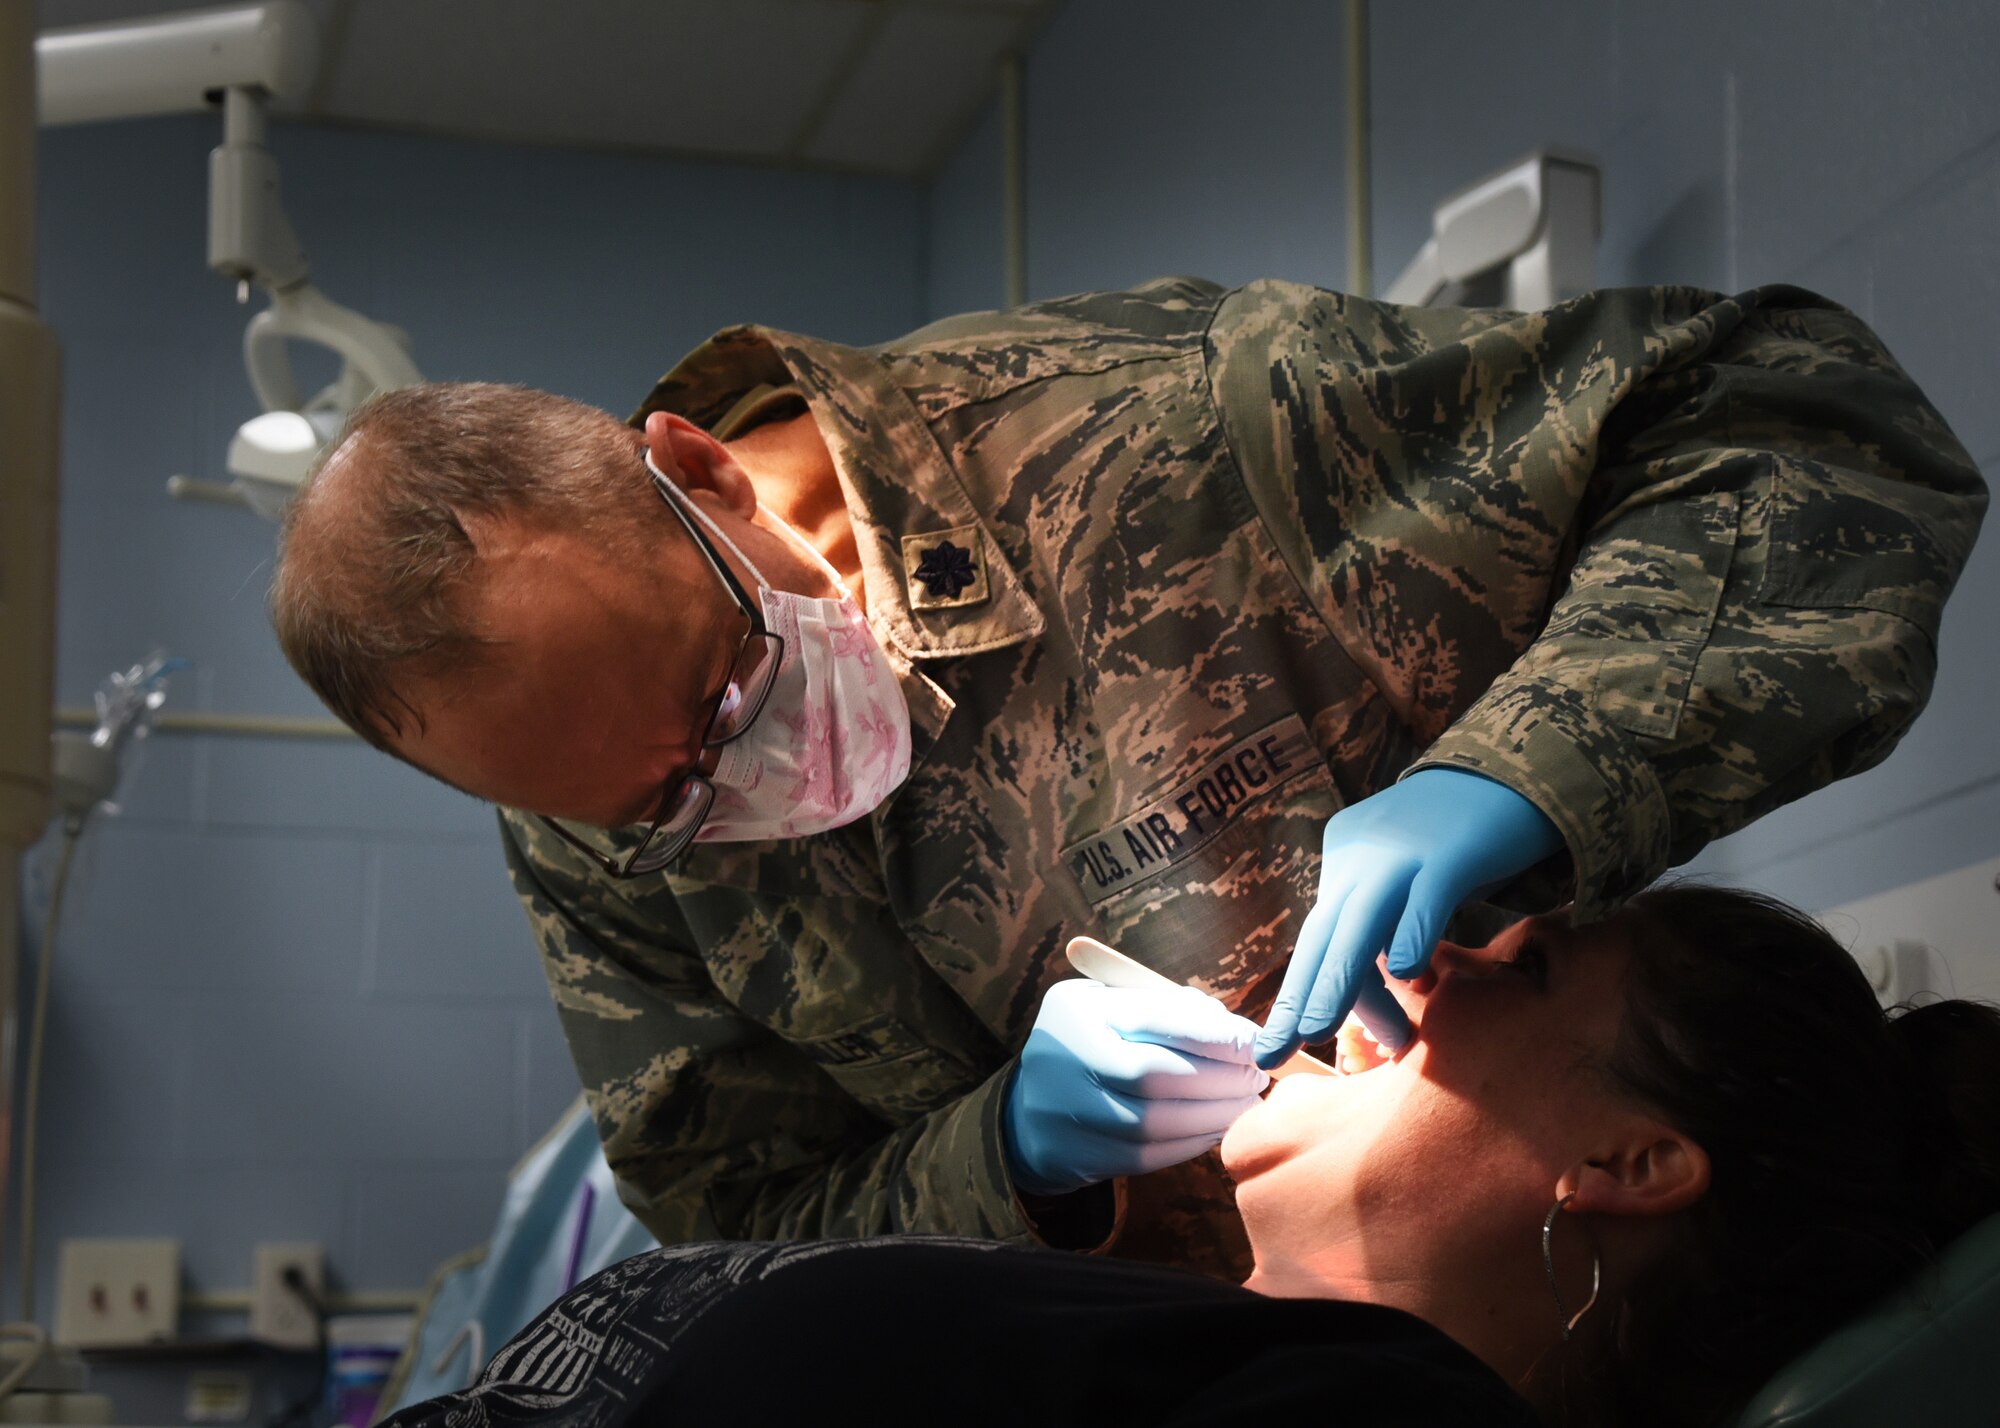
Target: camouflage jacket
{"x":1170,"y":577}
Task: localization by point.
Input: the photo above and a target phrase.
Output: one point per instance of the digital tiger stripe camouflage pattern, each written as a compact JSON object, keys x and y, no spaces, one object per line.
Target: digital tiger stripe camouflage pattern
{"x":1661,"y":560}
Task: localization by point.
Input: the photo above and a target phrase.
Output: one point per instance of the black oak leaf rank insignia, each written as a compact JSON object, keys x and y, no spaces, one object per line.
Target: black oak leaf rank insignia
{"x":946,"y":569}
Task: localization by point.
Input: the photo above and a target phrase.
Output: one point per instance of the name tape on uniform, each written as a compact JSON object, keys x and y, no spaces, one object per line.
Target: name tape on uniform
{"x":1193,"y":814}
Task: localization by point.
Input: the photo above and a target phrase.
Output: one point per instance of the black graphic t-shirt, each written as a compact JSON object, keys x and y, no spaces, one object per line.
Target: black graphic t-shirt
{"x":960,"y":1332}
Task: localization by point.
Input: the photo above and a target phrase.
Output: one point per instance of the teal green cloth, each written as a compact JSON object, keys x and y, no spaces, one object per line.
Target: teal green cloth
{"x":1929,"y":1356}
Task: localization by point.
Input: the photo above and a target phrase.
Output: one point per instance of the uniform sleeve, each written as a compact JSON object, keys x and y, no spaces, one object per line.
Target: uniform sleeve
{"x":1657,"y":559}
{"x":716,"y":1127}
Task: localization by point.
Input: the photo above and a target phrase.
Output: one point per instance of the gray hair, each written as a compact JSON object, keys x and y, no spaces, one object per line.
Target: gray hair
{"x":374,"y":562}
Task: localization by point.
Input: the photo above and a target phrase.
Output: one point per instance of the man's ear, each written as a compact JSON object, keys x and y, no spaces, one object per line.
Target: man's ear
{"x":1650,"y":1169}
{"x":697,"y":462}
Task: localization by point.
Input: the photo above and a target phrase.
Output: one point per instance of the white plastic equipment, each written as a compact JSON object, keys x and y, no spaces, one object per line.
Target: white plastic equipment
{"x":248,"y":54}
{"x":171,"y":64}
{"x":1524,"y":238}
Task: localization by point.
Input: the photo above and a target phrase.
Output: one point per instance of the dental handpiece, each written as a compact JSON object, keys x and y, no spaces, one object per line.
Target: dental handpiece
{"x":1113,"y":968}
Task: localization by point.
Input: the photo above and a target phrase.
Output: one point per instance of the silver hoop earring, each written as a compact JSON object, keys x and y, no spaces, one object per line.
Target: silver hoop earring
{"x":1569,"y":1321}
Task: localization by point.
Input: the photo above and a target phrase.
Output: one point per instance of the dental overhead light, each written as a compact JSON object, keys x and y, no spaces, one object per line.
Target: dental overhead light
{"x":270,"y":455}
{"x":246,"y":55}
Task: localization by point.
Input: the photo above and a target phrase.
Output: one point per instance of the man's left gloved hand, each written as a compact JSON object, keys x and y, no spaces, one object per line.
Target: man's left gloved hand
{"x":1394,"y":868}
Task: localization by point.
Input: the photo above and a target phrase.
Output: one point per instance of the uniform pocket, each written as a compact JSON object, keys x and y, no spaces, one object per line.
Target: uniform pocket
{"x":1206,"y":881}
{"x":1649,"y":590}
{"x":1849,"y":540}
{"x":890,"y":1068}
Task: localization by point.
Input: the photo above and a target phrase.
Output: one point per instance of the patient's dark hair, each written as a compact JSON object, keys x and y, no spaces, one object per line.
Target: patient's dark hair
{"x":1847,"y":1147}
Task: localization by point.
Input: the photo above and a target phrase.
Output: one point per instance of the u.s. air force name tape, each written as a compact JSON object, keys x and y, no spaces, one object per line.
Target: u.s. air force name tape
{"x":1192,"y":814}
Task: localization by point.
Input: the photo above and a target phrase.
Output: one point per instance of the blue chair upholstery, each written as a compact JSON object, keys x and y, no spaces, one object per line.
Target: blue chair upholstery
{"x":1929,"y":1356}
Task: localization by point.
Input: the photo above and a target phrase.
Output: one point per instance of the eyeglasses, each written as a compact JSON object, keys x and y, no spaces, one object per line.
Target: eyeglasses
{"x":685,"y":801}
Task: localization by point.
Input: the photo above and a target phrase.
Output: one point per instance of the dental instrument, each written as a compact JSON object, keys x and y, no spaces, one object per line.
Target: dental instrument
{"x":1113,"y":968}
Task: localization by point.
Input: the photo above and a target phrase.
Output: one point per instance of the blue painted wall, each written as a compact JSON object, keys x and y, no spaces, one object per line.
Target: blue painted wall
{"x":1849,"y":146}
{"x":965,"y":217}
{"x":1177,"y":137}
{"x":295,"y":997}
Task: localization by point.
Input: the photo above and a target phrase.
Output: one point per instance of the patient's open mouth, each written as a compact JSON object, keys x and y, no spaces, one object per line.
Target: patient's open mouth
{"x":1355,"y":1051}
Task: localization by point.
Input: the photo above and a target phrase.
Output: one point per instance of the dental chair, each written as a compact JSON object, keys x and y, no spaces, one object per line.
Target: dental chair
{"x":1930,"y":1355}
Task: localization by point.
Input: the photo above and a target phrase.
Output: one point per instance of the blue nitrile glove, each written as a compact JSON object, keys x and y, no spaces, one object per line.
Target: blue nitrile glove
{"x":1123,"y":1080}
{"x":1394,"y":868}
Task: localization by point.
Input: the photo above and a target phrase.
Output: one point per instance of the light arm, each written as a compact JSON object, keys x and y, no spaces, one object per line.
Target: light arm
{"x":250,"y":54}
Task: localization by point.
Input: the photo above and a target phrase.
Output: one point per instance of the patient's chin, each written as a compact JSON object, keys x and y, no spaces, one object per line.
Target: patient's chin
{"x":1244,"y":1146}
{"x":1268,"y":1133}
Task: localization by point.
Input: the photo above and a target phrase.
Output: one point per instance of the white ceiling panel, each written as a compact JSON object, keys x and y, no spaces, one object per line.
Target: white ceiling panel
{"x":722,"y":76}
{"x":882,"y":86}
{"x":913,"y":91}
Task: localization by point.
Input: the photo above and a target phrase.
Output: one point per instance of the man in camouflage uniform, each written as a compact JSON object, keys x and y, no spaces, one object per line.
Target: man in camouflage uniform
{"x":1169,"y":578}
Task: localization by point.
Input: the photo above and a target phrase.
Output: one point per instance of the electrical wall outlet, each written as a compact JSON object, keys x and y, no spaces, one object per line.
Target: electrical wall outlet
{"x":117,"y":1292}
{"x":278,"y":1315}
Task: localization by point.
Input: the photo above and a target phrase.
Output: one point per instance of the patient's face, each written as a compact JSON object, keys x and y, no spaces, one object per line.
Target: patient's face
{"x":1465,"y":1133}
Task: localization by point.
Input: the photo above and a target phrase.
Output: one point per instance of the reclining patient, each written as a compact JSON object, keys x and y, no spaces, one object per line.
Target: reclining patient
{"x":1624,"y":1172}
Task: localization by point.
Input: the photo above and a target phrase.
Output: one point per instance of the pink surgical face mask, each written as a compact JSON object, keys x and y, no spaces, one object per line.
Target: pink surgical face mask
{"x":833,"y":739}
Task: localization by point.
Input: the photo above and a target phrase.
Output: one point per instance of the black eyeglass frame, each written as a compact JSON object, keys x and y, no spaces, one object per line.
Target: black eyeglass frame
{"x":645,"y":857}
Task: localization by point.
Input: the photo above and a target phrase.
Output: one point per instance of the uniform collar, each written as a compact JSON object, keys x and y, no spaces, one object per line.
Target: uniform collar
{"x":904,"y":498}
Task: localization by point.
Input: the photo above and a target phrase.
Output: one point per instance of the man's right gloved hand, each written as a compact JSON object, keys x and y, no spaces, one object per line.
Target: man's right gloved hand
{"x":1120,"y":1080}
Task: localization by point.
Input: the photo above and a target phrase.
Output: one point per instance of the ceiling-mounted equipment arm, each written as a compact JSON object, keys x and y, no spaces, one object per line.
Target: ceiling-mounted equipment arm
{"x":246,"y":55}
{"x":1522,"y":238}
{"x":251,"y":240}
{"x":374,"y":356}
{"x":173,"y":64}
{"x":249,"y":237}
